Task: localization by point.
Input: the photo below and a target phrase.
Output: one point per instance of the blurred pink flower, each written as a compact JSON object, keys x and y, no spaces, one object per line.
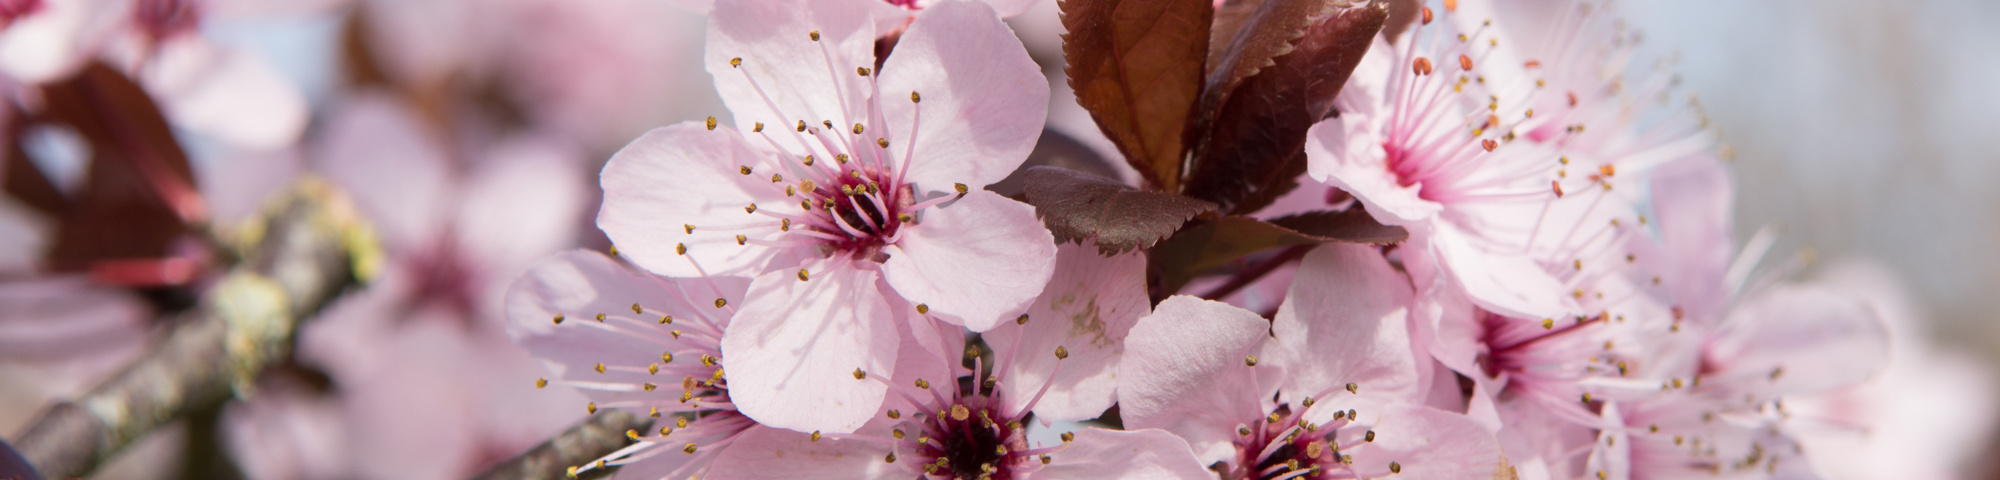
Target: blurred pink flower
{"x":457,"y":228}
{"x":837,"y":226}
{"x":1256,"y":395}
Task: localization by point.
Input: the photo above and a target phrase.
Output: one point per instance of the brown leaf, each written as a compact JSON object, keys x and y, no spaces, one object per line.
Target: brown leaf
{"x":1248,"y":35}
{"x":138,"y":187}
{"x":1077,"y":206}
{"x":1205,"y":246}
{"x":1254,"y":150}
{"x":1054,"y":149}
{"x":1136,"y":65}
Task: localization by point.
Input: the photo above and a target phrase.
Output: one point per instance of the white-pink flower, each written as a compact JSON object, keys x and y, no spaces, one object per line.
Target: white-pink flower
{"x":850,"y":194}
{"x":934,"y":428}
{"x":631,"y":340}
{"x":1329,"y":389}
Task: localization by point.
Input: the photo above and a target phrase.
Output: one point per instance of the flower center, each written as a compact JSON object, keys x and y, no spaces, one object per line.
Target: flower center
{"x":971,"y":438}
{"x":165,"y":18}
{"x":1283,"y":445}
{"x":856,"y":212}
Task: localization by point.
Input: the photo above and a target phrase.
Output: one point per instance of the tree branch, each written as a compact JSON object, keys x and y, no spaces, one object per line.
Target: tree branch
{"x":596,"y":437}
{"x":305,"y":250}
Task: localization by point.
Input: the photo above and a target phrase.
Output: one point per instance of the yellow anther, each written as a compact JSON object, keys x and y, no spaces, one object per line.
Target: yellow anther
{"x":914,"y":98}
{"x":559,"y":319}
{"x":600,"y":368}
{"x":680,"y":249}
{"x":711,"y":123}
{"x":752,"y":208}
{"x":960,"y":187}
{"x":742,"y":239}
{"x":757,"y":127}
{"x":882,"y":142}
{"x":541,"y":382}
{"x":1063,"y":354}
{"x":590,"y":407}
{"x":721,"y":302}
{"x":689,"y":448}
{"x":666,"y":357}
{"x":858,"y":374}
{"x":1250,"y":360}
{"x":857,"y":129}
{"x":1068,"y":437}
{"x":922,"y":308}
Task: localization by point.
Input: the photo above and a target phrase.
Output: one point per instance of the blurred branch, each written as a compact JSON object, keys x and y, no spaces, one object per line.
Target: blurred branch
{"x":301,"y":254}
{"x":597,"y":436}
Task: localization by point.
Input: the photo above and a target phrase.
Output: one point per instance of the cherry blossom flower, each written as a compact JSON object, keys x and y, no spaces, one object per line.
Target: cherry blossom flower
{"x":839,"y":221}
{"x":1400,"y":146}
{"x":457,"y":230}
{"x":1329,"y":389}
{"x":971,"y":430}
{"x":1088,"y":308}
{"x":638,"y":342}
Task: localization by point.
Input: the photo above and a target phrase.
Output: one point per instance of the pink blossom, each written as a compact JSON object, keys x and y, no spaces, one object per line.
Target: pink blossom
{"x":1400,"y":147}
{"x":933,"y":428}
{"x":1255,"y":395}
{"x":1088,"y":308}
{"x":840,"y":221}
{"x":631,"y":340}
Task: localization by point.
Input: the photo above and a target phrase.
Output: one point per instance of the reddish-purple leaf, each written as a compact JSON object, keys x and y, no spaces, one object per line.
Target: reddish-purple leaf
{"x":1136,"y":65}
{"x":138,"y":190}
{"x":1248,"y":35}
{"x":1077,"y":206}
{"x":1254,"y":150}
{"x":1054,"y":149}
{"x":1204,"y":246}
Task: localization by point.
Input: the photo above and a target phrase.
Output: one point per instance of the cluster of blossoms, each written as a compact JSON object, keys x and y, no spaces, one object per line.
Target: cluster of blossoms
{"x":826,"y":287}
{"x":1304,"y":239}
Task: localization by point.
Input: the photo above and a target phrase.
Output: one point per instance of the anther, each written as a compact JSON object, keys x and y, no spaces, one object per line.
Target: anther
{"x":1068,"y":437}
{"x":857,"y":129}
{"x":600,"y":318}
{"x":721,"y":302}
{"x":1021,"y":320}
{"x":895,"y":414}
{"x":750,"y":209}
{"x":1250,"y":360}
{"x":921,"y":383}
{"x":599,"y":368}
{"x":590,"y":407}
{"x":1063,"y":354}
{"x":815,"y":35}
{"x":776,"y":178}
{"x":1353,"y":388}
{"x":860,"y":375}
{"x":653,"y":369}
{"x":802,"y":126}
{"x":1368,"y":437}
{"x":1586,"y":398}
{"x":1427,"y":15}
{"x":1464,"y":62}
{"x":1558,"y":187}
{"x":1548,"y":324}
{"x":827,"y":123}
{"x":882,"y":142}
{"x":785,"y":224}
{"x":680,"y":249}
{"x":815,"y":435}
{"x":842,"y":158}
{"x":961,"y":188}
{"x":666,"y":357}
{"x":808,"y":161}
{"x":889,"y":459}
{"x":735,"y":62}
{"x":960,"y":413}
{"x":1488,"y":144}
{"x":541,"y":383}
{"x":863,"y":71}
{"x":649,"y":386}
{"x":689,"y":448}
{"x":922,"y":308}
{"x":742,"y":239}
{"x":559,"y":319}
{"x":1422,"y":66}
{"x":711,"y":123}
{"x":689,"y":227}
{"x":1393,"y":466}
{"x":757,"y":127}
{"x":803,"y":275}
{"x":914,"y":98}
{"x":666,"y":319}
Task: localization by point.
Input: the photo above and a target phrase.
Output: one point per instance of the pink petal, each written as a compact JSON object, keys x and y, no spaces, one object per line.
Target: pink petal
{"x":1507,"y":284}
{"x":1426,"y":443}
{"x":55,"y":41}
{"x":793,"y":348}
{"x":1344,"y":152}
{"x":1692,"y":201}
{"x":1138,"y":454}
{"x":580,"y":284}
{"x":974,"y":262}
{"x":229,"y":94}
{"x":1089,"y":305}
{"x":685,"y":175}
{"x":1185,"y":371}
{"x":377,"y":150}
{"x":521,"y":205}
{"x":984,"y":101}
{"x":761,"y":453}
{"x":1346,"y":321}
{"x":1796,"y":340}
{"x":810,"y":81}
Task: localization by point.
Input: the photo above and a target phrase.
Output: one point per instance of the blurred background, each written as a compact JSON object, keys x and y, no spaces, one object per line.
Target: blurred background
{"x":1861,"y":133}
